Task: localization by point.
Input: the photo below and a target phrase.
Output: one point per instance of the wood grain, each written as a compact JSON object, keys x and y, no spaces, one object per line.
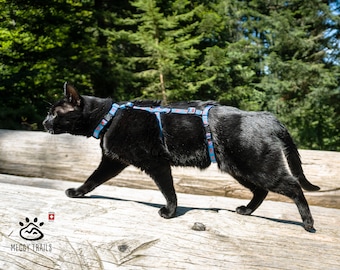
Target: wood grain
{"x":120,"y":228}
{"x":66,"y":157}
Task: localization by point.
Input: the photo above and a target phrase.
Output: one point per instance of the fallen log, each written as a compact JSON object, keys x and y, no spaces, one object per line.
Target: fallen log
{"x":120,"y":227}
{"x":66,"y":157}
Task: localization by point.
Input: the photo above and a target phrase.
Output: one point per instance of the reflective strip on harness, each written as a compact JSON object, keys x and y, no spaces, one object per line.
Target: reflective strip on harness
{"x":158,"y":111}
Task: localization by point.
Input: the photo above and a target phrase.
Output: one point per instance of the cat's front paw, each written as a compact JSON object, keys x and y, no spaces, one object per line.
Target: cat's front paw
{"x":243,"y":210}
{"x":308,"y":225}
{"x":165,"y":213}
{"x":73,"y":193}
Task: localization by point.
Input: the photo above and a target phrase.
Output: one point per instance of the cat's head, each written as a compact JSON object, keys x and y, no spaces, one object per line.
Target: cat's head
{"x":71,"y":114}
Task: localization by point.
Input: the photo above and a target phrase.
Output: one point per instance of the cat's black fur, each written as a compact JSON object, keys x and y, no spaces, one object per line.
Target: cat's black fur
{"x":251,"y":146}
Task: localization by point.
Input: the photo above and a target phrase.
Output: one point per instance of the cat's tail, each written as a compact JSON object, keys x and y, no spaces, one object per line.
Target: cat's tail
{"x":293,"y":159}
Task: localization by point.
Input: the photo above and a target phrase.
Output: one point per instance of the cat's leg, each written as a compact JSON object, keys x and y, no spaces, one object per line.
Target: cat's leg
{"x":160,"y":172}
{"x":259,"y":195}
{"x":289,"y":187}
{"x":107,"y":169}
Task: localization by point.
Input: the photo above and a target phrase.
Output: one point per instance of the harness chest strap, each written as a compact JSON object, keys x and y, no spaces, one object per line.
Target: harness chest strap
{"x":208,"y":133}
{"x":158,"y":111}
{"x":107,"y":118}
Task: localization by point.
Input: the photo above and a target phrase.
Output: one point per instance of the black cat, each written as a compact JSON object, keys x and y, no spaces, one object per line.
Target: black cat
{"x":253,"y":147}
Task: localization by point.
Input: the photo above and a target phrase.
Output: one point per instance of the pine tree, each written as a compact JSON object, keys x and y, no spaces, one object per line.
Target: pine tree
{"x":299,"y":84}
{"x":42,"y":44}
{"x":168,"y":49}
{"x":231,"y":58}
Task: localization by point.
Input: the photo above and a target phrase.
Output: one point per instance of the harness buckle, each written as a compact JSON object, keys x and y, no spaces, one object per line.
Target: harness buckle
{"x":107,"y":117}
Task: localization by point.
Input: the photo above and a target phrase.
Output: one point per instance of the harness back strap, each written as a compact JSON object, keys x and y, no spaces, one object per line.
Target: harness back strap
{"x":158,"y":111}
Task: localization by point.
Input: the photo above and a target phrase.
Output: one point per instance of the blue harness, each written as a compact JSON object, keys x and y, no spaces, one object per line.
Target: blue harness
{"x":158,"y":111}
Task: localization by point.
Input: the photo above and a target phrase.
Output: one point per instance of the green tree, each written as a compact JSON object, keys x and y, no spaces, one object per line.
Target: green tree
{"x":230,"y":60}
{"x":42,"y":45}
{"x":299,"y":85}
{"x":111,"y":75}
{"x":168,"y":49}
{"x":279,"y":56}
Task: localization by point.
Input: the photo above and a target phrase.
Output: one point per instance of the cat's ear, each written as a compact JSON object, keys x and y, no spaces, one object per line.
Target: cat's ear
{"x":71,"y":94}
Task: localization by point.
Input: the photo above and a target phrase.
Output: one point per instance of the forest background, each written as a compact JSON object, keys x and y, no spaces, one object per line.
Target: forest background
{"x":276,"y":55}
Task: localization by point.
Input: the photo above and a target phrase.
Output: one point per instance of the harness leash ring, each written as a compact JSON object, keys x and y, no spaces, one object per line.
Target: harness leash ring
{"x":158,"y":111}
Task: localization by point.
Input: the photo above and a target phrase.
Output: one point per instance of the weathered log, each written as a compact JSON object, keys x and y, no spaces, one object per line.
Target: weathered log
{"x":120,"y":227}
{"x":66,"y":157}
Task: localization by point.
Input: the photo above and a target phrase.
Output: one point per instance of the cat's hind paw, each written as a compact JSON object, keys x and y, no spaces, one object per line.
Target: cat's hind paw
{"x":73,"y":193}
{"x":243,"y":210}
{"x":165,"y":213}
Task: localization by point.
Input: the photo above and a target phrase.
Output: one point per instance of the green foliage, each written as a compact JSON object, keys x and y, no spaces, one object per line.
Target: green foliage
{"x":281,"y":56}
{"x":168,"y":53}
{"x":36,"y":56}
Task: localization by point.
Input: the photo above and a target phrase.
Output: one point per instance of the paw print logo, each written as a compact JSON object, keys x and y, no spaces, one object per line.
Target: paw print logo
{"x":30,"y":230}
